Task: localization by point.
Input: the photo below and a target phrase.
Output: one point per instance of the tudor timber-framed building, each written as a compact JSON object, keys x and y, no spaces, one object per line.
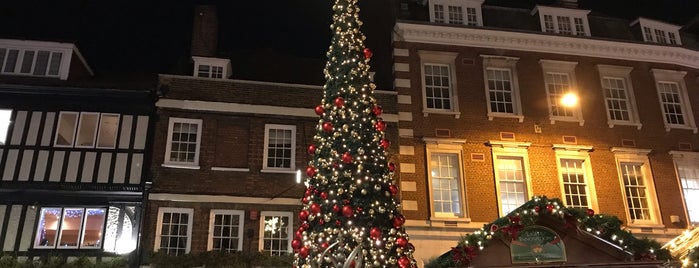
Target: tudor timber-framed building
{"x":74,"y":155}
{"x":482,"y":129}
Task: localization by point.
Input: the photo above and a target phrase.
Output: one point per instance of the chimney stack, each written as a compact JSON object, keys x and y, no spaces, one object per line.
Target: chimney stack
{"x":205,"y":31}
{"x":568,"y":3}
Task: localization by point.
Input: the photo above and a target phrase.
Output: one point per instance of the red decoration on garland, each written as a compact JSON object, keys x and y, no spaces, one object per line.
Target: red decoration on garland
{"x":304,"y":200}
{"x":339,"y":102}
{"x":299,"y":234}
{"x":375,"y":233}
{"x":393,"y":189}
{"x":323,"y":195}
{"x":549,"y":208}
{"x":303,"y":252}
{"x":336,"y":208}
{"x":315,"y":208}
{"x":590,"y":212}
{"x":385,"y":143}
{"x":404,"y":262}
{"x":324,"y":245}
{"x":296,"y":244}
{"x":494,"y":228}
{"x":401,"y":242}
{"x":347,"y":211}
{"x":367,"y":53}
{"x":537,"y":209}
{"x":312,"y":149}
{"x":327,"y":127}
{"x":380,"y":125}
{"x":338,"y":222}
{"x":398,"y":221}
{"x":463,"y":255}
{"x":310,"y":171}
{"x":305,"y":226}
{"x":391,"y":167}
{"x":303,"y":215}
{"x":347,"y":157}
{"x":377,"y":110}
{"x":319,"y":110}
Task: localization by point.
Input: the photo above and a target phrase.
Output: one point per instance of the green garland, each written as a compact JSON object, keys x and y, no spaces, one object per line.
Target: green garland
{"x":606,"y":227}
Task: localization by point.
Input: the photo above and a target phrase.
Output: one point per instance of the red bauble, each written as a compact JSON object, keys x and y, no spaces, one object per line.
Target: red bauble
{"x":296,"y":244}
{"x":339,"y":102}
{"x":324,"y":245}
{"x":303,"y":252}
{"x":338,"y":222}
{"x":393,"y":189}
{"x":367,"y":53}
{"x":315,"y":208}
{"x":549,"y":208}
{"x":398,"y":221}
{"x":304,"y":200}
{"x":590,"y":212}
{"x":537,"y":209}
{"x":323,"y":195}
{"x":319,"y":110}
{"x":336,"y":208}
{"x":347,"y":211}
{"x":377,"y":110}
{"x":321,"y":221}
{"x":310,"y":171}
{"x":303,"y":215}
{"x":312,"y":149}
{"x":299,"y":234}
{"x":401,"y":242}
{"x":385,"y":143}
{"x":375,"y":233}
{"x":391,"y":167}
{"x":404,"y":262}
{"x":305,"y":226}
{"x":347,"y":157}
{"x":328,"y":127}
{"x":380,"y":125}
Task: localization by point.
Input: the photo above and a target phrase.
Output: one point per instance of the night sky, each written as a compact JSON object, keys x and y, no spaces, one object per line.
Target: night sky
{"x":153,"y":36}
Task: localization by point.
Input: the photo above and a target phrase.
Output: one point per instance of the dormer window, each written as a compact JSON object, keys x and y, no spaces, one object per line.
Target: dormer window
{"x":211,"y":67}
{"x":563,"y":20}
{"x":462,"y":12}
{"x":658,"y":32}
{"x":39,"y":58}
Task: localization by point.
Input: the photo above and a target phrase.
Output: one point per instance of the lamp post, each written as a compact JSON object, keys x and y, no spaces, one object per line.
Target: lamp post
{"x":569,"y":100}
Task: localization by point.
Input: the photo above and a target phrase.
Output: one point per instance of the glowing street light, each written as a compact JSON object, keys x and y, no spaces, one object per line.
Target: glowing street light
{"x":569,"y":99}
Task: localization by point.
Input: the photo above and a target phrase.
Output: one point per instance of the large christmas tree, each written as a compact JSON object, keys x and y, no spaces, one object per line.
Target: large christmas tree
{"x":351,"y":214}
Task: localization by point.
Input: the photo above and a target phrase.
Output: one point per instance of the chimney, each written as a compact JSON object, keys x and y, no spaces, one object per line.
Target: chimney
{"x":568,"y":3}
{"x":205,"y":31}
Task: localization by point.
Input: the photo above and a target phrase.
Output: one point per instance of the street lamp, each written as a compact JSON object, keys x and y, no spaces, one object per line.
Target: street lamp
{"x":570,"y":99}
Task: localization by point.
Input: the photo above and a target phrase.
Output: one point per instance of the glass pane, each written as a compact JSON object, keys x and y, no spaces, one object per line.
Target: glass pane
{"x":88,"y":128}
{"x":27,"y":62}
{"x":108,"y":130}
{"x":42,"y":61}
{"x":11,"y":61}
{"x":55,"y":63}
{"x":92,"y":232}
{"x":66,"y":129}
{"x":70,"y":227}
{"x":47,"y":228}
{"x":4,"y":124}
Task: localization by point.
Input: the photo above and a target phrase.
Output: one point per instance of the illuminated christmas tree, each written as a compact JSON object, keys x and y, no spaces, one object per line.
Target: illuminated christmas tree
{"x":350,"y":216}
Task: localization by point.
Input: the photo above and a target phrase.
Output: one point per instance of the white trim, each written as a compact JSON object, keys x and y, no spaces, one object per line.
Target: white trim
{"x":36,"y":243}
{"x":443,"y":140}
{"x":225,"y":64}
{"x":638,"y":156}
{"x":517,"y":150}
{"x":622,"y":73}
{"x":99,"y":130}
{"x":675,"y":77}
{"x":223,"y":199}
{"x":180,"y":166}
{"x":463,"y":203}
{"x":94,"y":130}
{"x":577,"y":152}
{"x":230,"y":169}
{"x":159,"y":226}
{"x":212,"y":217}
{"x":562,"y":68}
{"x":509,"y":64}
{"x":464,"y":4}
{"x":552,"y":44}
{"x":60,"y":231}
{"x":269,"y":170}
{"x":445,"y":59}
{"x":572,"y":147}
{"x":556,"y":12}
{"x":289,"y":226}
{"x":265,"y":156}
{"x":653,"y":25}
{"x":509,"y":144}
{"x":168,"y":143}
{"x":67,"y":50}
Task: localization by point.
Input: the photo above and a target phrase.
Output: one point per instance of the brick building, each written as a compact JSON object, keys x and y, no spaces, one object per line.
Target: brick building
{"x":228,"y":154}
{"x":482,"y":127}
{"x":74,"y":154}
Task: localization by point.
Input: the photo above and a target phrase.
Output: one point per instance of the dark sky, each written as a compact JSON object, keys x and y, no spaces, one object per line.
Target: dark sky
{"x":154,"y":35}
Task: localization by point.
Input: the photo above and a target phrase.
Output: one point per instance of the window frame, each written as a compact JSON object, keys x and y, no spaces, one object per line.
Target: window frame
{"x":447,"y":146}
{"x":224,"y":64}
{"x":676,"y":77}
{"x":567,"y":68}
{"x":265,"y":153}
{"x":5,"y":125}
{"x":20,"y":61}
{"x":261,"y":239}
{"x":446,"y":59}
{"x":74,"y":127}
{"x":99,"y":130}
{"x":94,"y":131}
{"x":622,"y":73}
{"x":59,"y":228}
{"x":463,"y":4}
{"x":638,"y":156}
{"x":577,"y":152}
{"x":159,"y":226}
{"x":511,"y":150}
{"x":669,"y":31}
{"x":212,"y":221}
{"x":168,"y":143}
{"x":556,"y":13}
{"x":691,"y":159}
{"x":491,"y":62}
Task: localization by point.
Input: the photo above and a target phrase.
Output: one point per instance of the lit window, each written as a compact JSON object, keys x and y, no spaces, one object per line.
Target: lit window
{"x":211,"y":67}
{"x":559,"y":79}
{"x":575,"y":173}
{"x":226,"y":230}
{"x":4,"y":124}
{"x":445,"y":173}
{"x":91,"y":128}
{"x":511,"y":168}
{"x":618,"y":95}
{"x":174,"y":230}
{"x":563,"y":20}
{"x":439,"y":85}
{"x":673,"y":98}
{"x":65,"y":135}
{"x":120,"y":235}
{"x":183,"y":139}
{"x":70,"y":228}
{"x":637,"y":185}
{"x":275,"y":232}
{"x":87,"y":129}
{"x":687,"y":164}
{"x":280,"y":145}
{"x":109,"y":124}
{"x":502,"y":90}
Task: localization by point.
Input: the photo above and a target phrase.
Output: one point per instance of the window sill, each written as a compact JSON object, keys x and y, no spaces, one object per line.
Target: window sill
{"x":230,"y":169}
{"x":520,"y":118}
{"x":670,"y":127}
{"x":612,"y":124}
{"x":553,"y":120}
{"x":444,"y":221}
{"x":278,"y":171}
{"x":646,"y":225}
{"x":183,"y":166}
{"x":444,"y":112}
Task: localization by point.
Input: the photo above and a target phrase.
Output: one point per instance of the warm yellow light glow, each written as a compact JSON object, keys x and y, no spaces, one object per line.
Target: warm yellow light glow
{"x":569,"y":99}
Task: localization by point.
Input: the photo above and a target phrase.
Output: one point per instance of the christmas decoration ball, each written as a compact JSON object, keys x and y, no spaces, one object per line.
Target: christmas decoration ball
{"x":324,"y":195}
{"x":304,"y":200}
{"x":347,"y":211}
{"x":336,"y":208}
{"x":339,"y":102}
{"x":303,"y":252}
{"x":310,"y":171}
{"x":391,"y":167}
{"x":380,"y":125}
{"x":375,"y":233}
{"x":303,"y":215}
{"x":549,"y":208}
{"x":537,"y":208}
{"x":315,"y":208}
{"x":298,"y":234}
{"x":296,"y":244}
{"x":305,"y":226}
{"x":312,"y":149}
{"x":393,"y":189}
{"x":398,"y":221}
{"x":327,"y":127}
{"x":590,"y":212}
{"x":404,"y":262}
{"x":319,"y":110}
{"x":324,"y":245}
{"x":367,"y":53}
{"x":377,"y":110}
{"x":385,"y":143}
{"x":401,"y":242}
{"x":347,"y":157}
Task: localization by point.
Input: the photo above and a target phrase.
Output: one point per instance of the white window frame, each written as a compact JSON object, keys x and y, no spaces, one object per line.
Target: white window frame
{"x":447,"y":146}
{"x":676,"y":77}
{"x":225,"y":64}
{"x":75,"y":130}
{"x":577,"y":152}
{"x":99,"y":131}
{"x":5,"y":120}
{"x":290,"y":231}
{"x":654,"y":26}
{"x":511,"y":150}
{"x":440,"y":58}
{"x":690,"y":159}
{"x":503,"y":63}
{"x":212,"y":217}
{"x":168,"y":144}
{"x":159,"y":226}
{"x":556,"y":12}
{"x":265,"y":158}
{"x":568,"y":68}
{"x":464,"y":4}
{"x":622,"y":73}
{"x":80,"y":124}
{"x":639,"y":156}
{"x":81,"y":231}
{"x":21,"y":51}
